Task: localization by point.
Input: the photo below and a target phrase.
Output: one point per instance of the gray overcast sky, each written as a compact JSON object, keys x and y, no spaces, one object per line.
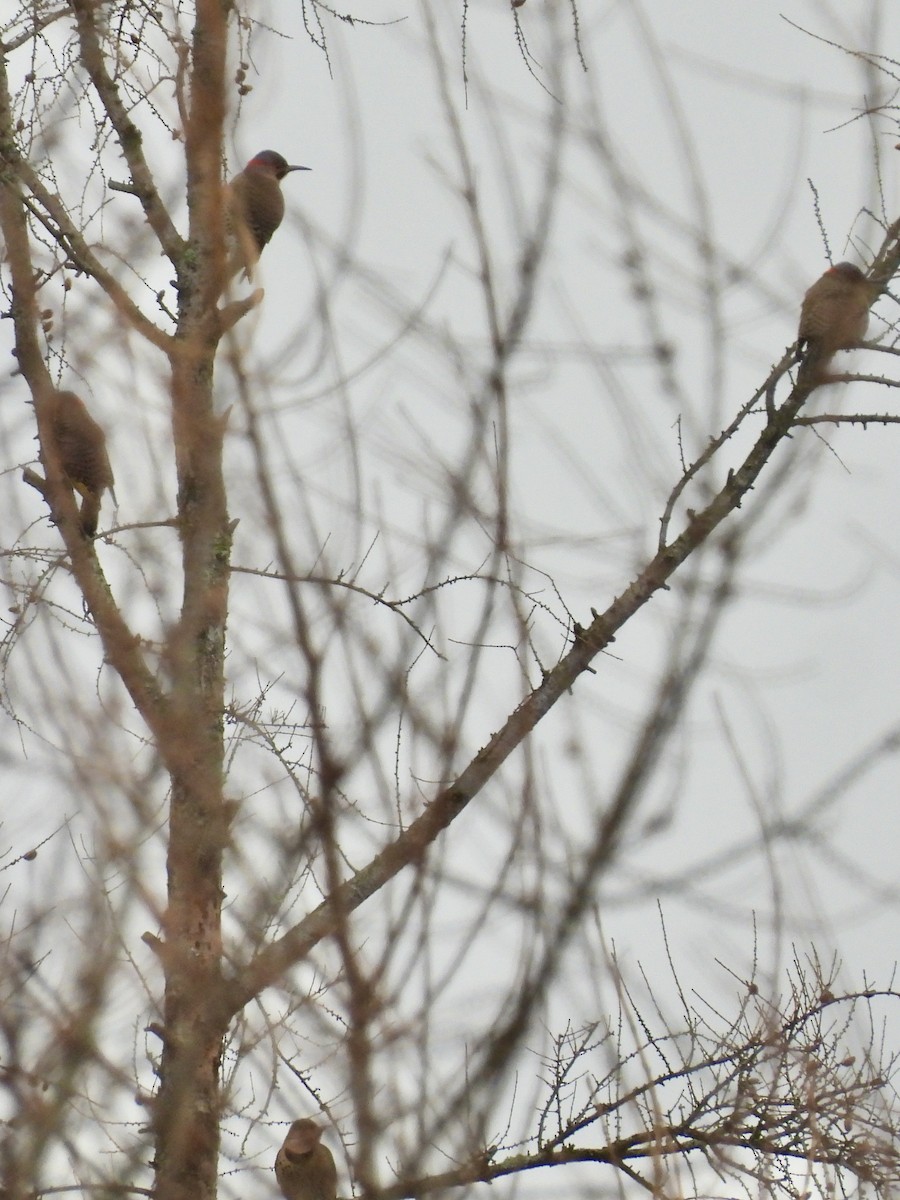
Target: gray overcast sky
{"x":716,"y":117}
{"x":713,"y":118}
{"x":720,"y":110}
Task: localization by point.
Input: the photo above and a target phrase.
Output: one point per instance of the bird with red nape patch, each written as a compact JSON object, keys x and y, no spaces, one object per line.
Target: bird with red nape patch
{"x":835,"y":312}
{"x":254,"y":208}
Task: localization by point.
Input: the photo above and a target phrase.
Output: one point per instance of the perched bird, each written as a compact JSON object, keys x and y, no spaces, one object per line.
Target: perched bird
{"x":835,"y":311}
{"x":254,"y":208}
{"x":80,"y":446}
{"x":304,"y":1167}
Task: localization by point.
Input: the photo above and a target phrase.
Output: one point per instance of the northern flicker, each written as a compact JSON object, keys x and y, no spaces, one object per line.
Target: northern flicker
{"x":304,"y":1167}
{"x":835,"y":311}
{"x":254,"y":208}
{"x":80,"y":446}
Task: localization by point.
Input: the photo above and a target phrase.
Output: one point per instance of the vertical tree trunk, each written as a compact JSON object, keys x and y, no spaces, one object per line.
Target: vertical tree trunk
{"x":188,"y":1104}
{"x":188,"y":1101}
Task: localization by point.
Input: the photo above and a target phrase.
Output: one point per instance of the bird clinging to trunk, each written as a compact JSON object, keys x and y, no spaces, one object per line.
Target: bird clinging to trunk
{"x":304,"y":1167}
{"x":79,"y":445}
{"x":835,"y":312}
{"x":254,"y":208}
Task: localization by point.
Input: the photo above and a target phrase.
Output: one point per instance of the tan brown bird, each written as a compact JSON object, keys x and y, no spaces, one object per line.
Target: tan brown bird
{"x":304,"y":1167}
{"x":80,"y":445}
{"x":835,"y":311}
{"x":254,"y":208}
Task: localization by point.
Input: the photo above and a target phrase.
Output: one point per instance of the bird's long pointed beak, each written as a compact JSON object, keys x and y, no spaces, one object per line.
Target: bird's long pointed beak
{"x":299,"y":168}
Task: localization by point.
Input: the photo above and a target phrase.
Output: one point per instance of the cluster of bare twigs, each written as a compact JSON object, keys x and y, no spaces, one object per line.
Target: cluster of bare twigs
{"x":782,"y":1090}
{"x":785,"y":1098}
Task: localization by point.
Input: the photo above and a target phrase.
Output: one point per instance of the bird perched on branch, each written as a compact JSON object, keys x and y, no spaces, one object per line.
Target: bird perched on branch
{"x":835,"y":311}
{"x":254,"y":208}
{"x":304,"y":1167}
{"x":80,"y":448}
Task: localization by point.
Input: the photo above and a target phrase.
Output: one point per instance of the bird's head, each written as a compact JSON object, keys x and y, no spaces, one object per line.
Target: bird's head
{"x":848,"y":271}
{"x":270,"y":162}
{"x":303,"y":1137}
